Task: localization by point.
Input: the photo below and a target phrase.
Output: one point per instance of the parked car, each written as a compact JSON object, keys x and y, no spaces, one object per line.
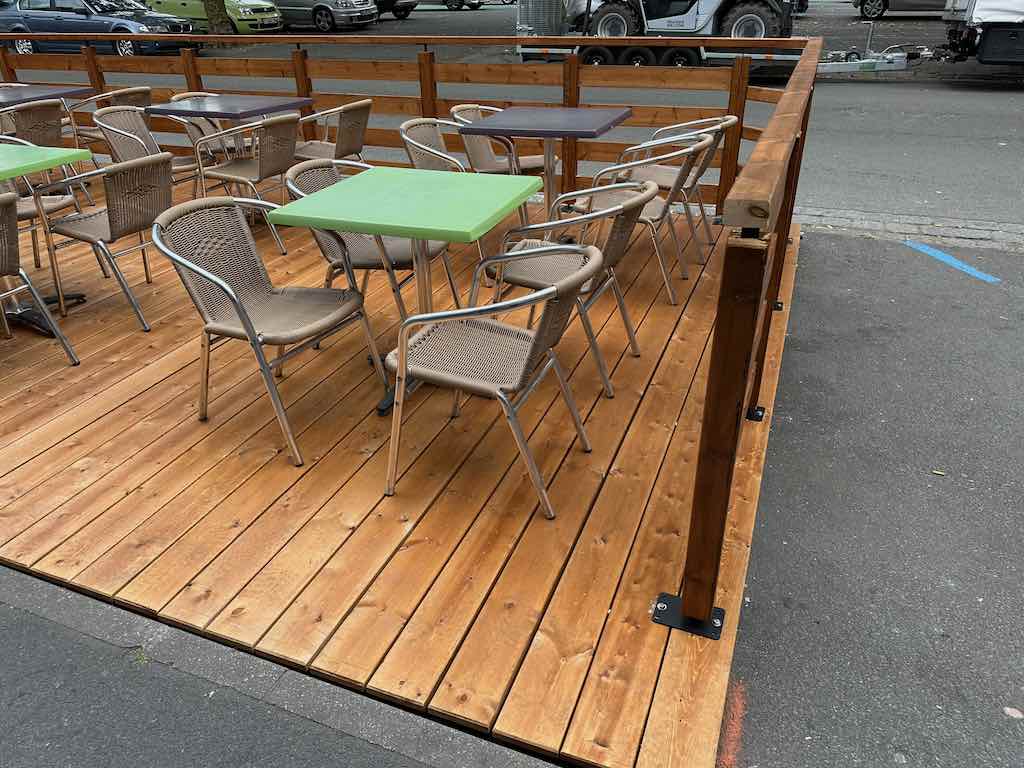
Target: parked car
{"x":400,"y":9}
{"x":473,"y":5}
{"x":86,"y":16}
{"x":248,"y":17}
{"x":327,"y":15}
{"x":875,"y":9}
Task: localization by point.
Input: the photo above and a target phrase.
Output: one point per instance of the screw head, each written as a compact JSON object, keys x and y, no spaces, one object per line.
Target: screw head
{"x":716,"y":623}
{"x":661,"y":606}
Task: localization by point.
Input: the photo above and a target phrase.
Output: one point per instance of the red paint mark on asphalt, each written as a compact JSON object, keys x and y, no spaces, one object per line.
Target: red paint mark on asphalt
{"x":732,"y":728}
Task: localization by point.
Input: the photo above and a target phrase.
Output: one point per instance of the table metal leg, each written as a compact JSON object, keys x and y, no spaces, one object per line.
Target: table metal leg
{"x":425,"y":296}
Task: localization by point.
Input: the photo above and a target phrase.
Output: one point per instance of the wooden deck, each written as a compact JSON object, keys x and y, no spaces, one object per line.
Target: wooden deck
{"x":454,"y":596}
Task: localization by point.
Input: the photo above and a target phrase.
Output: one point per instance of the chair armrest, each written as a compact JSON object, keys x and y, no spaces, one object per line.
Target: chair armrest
{"x":67,"y":182}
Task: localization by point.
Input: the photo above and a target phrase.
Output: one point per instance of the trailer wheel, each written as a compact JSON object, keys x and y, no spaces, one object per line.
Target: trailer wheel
{"x":453,"y":5}
{"x":679,"y":57}
{"x":637,"y":57}
{"x":596,"y":55}
{"x":614,"y":19}
{"x":751,"y":20}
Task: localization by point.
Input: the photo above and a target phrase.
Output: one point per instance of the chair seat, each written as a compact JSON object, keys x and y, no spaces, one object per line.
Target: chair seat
{"x":291,"y":315}
{"x":653,"y":210}
{"x":540,"y":271}
{"x":662,"y":175}
{"x":92,"y":227}
{"x":364,"y":254}
{"x":481,"y":356}
{"x":245,"y":170}
{"x":51,"y":204}
{"x":315,"y":150}
{"x":527,"y":164}
{"x":89,"y":132}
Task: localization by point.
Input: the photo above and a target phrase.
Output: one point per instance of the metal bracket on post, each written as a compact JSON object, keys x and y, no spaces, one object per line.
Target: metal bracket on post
{"x":755,"y":413}
{"x":778,"y":306}
{"x":668,"y":611}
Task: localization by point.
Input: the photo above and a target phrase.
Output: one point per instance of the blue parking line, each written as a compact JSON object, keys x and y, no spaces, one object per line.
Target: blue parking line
{"x":952,"y":261}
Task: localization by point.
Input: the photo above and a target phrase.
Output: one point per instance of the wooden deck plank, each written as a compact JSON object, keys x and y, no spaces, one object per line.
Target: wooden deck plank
{"x":686,"y":713}
{"x":556,"y":663}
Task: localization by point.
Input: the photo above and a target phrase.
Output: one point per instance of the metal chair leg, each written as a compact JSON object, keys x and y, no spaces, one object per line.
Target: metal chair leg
{"x":270,"y":224}
{"x":204,"y":375}
{"x":570,"y":401}
{"x":524,"y":451}
{"x":634,"y":346}
{"x":145,"y":258}
{"x":125,"y":288}
{"x":656,"y":241}
{"x":35,"y":247}
{"x":707,"y":224}
{"x":371,"y":346}
{"x":45,"y":312}
{"x":602,"y":369}
{"x":101,"y":262}
{"x":279,"y":369}
{"x":451,"y":278}
{"x":275,"y":399}
{"x":396,"y":436}
{"x":684,"y":268}
{"x":691,"y":224}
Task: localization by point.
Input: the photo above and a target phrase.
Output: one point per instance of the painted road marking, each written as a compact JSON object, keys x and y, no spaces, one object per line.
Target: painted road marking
{"x":952,"y":261}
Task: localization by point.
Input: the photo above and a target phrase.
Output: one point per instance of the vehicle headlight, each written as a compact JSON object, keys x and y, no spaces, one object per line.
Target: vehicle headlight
{"x":342,"y":3}
{"x":246,"y":11}
{"x":143,"y":29}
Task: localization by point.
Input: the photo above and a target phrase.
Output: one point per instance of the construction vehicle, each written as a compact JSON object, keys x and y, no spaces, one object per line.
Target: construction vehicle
{"x":992,"y":31}
{"x":610,"y":19}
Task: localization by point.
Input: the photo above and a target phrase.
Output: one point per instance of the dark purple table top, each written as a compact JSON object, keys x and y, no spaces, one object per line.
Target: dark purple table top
{"x":19,"y":94}
{"x":230,"y":106}
{"x":549,"y":122}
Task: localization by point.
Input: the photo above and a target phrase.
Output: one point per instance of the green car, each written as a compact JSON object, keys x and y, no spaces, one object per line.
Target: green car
{"x":249,"y":17}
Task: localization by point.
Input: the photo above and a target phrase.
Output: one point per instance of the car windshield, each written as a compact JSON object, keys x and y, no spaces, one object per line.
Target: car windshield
{"x":116,"y":6}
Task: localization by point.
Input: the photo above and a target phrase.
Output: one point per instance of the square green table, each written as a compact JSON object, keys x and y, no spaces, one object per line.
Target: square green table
{"x":18,"y":160}
{"x":420,"y":205}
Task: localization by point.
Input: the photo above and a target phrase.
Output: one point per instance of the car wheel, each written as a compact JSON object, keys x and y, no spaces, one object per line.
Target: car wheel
{"x":614,"y":20}
{"x":453,"y":5}
{"x":24,"y":46}
{"x":596,"y":55}
{"x":637,"y":57}
{"x":402,"y":13}
{"x":475,"y":6}
{"x":679,"y":57}
{"x":751,"y":20}
{"x":873,"y":9}
{"x":323,"y":20}
{"x":125,"y":48}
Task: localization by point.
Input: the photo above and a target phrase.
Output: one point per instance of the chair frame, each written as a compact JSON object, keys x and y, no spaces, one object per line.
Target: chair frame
{"x":403,"y":130}
{"x":506,"y":144}
{"x":688,"y":156}
{"x":191,"y":175}
{"x":599,"y":285}
{"x":326,"y":114}
{"x":8,"y":294}
{"x":269,"y":368}
{"x":510,"y":405}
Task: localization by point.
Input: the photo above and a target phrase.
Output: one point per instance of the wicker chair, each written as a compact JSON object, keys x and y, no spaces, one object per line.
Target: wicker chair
{"x":137,"y":191}
{"x":84,"y":135}
{"x":466,"y":349}
{"x":425,"y":145}
{"x":10,"y":268}
{"x":539,"y":273}
{"x":361,"y":252}
{"x":664,"y":175}
{"x":350,"y":128}
{"x":126,"y":131}
{"x":212,"y":249}
{"x":27,"y":209}
{"x":480,"y":149}
{"x":273,"y":153}
{"x":657,"y":214}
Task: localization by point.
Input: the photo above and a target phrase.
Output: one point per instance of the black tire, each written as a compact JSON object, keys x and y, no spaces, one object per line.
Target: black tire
{"x":507,"y":2}
{"x":751,"y":16}
{"x":402,"y":13}
{"x":453,"y":5}
{"x":873,"y":9}
{"x":323,"y":19}
{"x":596,"y":55}
{"x":475,"y":6}
{"x":679,"y":57}
{"x":614,"y":20}
{"x":24,"y":46}
{"x":637,"y":56}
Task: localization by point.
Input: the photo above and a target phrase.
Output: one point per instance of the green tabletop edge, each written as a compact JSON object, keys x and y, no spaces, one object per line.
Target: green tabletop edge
{"x":18,"y":160}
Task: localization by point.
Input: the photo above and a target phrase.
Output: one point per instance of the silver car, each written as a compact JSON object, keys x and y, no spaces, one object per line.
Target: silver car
{"x":875,"y":9}
{"x":327,"y":15}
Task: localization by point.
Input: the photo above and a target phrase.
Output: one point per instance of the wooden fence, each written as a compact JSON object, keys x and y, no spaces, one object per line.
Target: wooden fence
{"x":755,"y":199}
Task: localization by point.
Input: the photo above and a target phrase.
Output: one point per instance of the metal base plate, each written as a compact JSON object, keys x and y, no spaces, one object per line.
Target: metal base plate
{"x":668,"y":611}
{"x":30,"y":318}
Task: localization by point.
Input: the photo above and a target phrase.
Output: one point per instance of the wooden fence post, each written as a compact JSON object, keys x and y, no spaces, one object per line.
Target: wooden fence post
{"x":570,"y":98}
{"x":740,"y":296}
{"x":303,"y":87}
{"x":190,"y":68}
{"x":93,"y":68}
{"x":733,"y":139}
{"x":428,"y":84}
{"x":7,"y":70}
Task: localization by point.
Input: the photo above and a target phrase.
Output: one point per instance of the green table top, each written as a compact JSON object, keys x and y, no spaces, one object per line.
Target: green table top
{"x":405,"y":202}
{"x":21,"y":161}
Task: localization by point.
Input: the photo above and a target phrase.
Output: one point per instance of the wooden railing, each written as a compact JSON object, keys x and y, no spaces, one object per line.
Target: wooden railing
{"x":755,"y":198}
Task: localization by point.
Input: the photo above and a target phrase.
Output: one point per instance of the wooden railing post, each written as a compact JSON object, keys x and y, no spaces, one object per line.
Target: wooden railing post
{"x":428,"y":84}
{"x":304,"y":88}
{"x":189,"y":66}
{"x":7,"y":70}
{"x":740,"y":296}
{"x":93,"y":68}
{"x":570,"y":98}
{"x":733,"y":139}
